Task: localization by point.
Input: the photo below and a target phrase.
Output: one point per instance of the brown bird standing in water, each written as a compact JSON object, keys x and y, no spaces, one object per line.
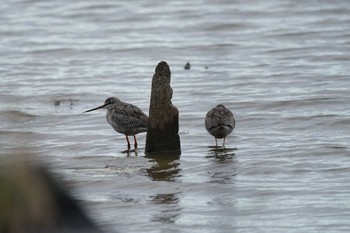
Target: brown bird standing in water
{"x":125,"y":118}
{"x":220,"y":122}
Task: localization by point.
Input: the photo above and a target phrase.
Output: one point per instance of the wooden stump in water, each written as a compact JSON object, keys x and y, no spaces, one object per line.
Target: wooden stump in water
{"x":163,"y":122}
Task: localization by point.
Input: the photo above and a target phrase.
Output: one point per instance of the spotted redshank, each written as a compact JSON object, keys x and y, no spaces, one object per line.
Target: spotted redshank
{"x":125,"y":118}
{"x":220,"y":122}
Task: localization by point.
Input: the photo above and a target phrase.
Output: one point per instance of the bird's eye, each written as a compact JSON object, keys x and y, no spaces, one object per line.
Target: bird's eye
{"x":109,"y":101}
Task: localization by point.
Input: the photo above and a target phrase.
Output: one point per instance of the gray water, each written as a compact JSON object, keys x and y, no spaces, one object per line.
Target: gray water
{"x":282,"y":67}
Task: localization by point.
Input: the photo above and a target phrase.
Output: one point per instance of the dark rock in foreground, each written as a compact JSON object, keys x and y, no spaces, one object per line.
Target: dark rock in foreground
{"x":163,"y":124}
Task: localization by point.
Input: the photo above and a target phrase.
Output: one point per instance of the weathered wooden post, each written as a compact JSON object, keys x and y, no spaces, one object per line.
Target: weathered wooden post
{"x":163,"y":125}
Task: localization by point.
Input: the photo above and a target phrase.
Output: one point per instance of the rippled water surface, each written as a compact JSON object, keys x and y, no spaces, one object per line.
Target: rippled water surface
{"x":282,"y":67}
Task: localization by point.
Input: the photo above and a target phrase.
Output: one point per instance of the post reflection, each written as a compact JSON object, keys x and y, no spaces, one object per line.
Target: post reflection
{"x":169,"y":205}
{"x":165,"y":167}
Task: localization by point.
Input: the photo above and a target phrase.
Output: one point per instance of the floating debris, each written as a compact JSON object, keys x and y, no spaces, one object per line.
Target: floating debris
{"x":57,"y":102}
{"x":187,"y":66}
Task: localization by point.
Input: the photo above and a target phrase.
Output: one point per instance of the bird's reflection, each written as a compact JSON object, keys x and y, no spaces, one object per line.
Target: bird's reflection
{"x":165,"y":167}
{"x":130,"y":152}
{"x":221,"y":154}
{"x":225,"y":165}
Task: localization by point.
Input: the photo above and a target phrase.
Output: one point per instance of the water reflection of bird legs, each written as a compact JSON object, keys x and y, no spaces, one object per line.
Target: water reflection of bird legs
{"x":128,"y":152}
{"x":225,"y":165}
{"x":221,"y":154}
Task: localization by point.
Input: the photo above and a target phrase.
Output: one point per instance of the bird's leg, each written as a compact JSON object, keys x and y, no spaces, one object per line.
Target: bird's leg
{"x":223,"y":144}
{"x":135,"y":142}
{"x":216,"y":142}
{"x":127,"y":139}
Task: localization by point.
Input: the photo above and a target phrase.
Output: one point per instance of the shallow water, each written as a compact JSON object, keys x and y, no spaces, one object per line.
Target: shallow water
{"x":281,"y":66}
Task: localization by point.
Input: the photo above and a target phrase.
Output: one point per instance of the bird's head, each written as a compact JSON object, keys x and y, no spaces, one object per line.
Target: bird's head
{"x":108,"y":104}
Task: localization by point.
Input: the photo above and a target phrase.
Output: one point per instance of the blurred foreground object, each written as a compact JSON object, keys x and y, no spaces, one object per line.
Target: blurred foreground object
{"x":32,"y":201}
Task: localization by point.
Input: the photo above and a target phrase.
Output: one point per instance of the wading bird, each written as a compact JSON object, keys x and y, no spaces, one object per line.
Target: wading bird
{"x":220,"y":122}
{"x":125,"y":118}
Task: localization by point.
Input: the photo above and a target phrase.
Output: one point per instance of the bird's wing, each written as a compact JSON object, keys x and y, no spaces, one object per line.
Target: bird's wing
{"x":132,"y":112}
{"x":219,"y":116}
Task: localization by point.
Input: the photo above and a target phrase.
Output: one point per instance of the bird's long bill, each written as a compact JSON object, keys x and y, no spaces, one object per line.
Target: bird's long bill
{"x":94,"y":109}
